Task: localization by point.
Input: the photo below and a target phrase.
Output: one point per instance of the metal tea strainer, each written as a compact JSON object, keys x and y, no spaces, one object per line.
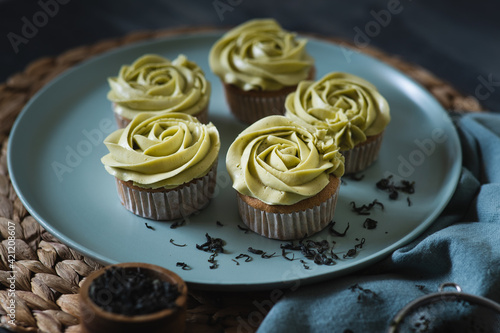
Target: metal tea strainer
{"x":448,"y":311}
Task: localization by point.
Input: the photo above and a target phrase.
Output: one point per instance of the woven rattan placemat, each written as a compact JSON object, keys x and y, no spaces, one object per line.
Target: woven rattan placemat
{"x":48,"y":273}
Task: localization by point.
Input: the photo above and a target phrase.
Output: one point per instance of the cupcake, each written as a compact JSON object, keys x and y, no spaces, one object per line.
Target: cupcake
{"x":165,"y":164}
{"x":155,"y":84}
{"x":287,"y":181}
{"x":348,"y":110}
{"x":259,"y":63}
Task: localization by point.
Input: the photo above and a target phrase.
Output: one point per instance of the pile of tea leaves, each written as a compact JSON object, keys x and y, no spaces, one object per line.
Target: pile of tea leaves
{"x":132,"y":292}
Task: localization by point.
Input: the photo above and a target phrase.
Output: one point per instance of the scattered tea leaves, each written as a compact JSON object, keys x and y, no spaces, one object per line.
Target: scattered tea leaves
{"x":351,"y":253}
{"x":362,"y":292}
{"x":243,"y":255}
{"x":149,"y":227}
{"x":393,"y":195}
{"x":177,"y":224}
{"x":219,"y":224}
{"x":183,"y":265}
{"x":360,"y":244}
{"x":245,"y":229}
{"x":369,"y":223}
{"x":304,"y":264}
{"x":320,"y":246}
{"x":409,"y":201}
{"x":365,"y":209}
{"x":236,"y":261}
{"x":333,"y":255}
{"x":174,"y":243}
{"x":283,"y":254}
{"x":212,"y":260}
{"x":407,"y":187}
{"x":263,"y":254}
{"x":328,"y":261}
{"x":215,"y":245}
{"x":320,"y":252}
{"x":290,"y":246}
{"x":254,"y":251}
{"x":386,"y":184}
{"x":336,"y":233}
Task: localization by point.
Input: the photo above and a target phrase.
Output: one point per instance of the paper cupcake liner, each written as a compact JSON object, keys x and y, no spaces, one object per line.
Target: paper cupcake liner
{"x":168,"y":204}
{"x":122,"y":122}
{"x":362,"y":155}
{"x":250,"y":107}
{"x":288,"y":226}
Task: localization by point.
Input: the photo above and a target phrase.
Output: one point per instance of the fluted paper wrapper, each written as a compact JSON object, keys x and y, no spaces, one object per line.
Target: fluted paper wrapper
{"x":362,"y":155}
{"x":168,"y":204}
{"x":122,"y":122}
{"x":288,"y":226}
{"x":250,"y":107}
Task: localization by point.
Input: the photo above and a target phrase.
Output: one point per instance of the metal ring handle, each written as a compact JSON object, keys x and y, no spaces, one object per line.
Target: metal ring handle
{"x":449,"y":284}
{"x":442,"y":295}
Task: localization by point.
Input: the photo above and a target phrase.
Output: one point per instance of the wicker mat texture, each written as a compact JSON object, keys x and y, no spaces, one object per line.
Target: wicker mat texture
{"x":48,"y":273}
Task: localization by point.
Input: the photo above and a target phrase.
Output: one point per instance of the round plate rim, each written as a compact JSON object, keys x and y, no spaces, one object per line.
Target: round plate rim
{"x":374,"y":257}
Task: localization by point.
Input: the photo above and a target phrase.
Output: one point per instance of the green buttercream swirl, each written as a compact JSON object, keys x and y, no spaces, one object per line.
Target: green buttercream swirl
{"x":260,"y":55}
{"x":280,"y":162}
{"x":165,"y":150}
{"x":153,"y":83}
{"x":348,"y":107}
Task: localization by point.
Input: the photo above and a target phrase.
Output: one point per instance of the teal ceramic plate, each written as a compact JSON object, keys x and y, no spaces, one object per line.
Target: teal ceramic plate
{"x":56,"y":145}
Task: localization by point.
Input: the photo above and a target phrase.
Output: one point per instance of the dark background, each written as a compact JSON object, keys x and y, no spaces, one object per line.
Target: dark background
{"x":458,"y":41}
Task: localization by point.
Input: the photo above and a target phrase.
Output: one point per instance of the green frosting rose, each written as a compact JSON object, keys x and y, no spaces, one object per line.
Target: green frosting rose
{"x":280,"y":162}
{"x":153,"y":83}
{"x":165,"y":150}
{"x":348,"y":107}
{"x":260,"y":55}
